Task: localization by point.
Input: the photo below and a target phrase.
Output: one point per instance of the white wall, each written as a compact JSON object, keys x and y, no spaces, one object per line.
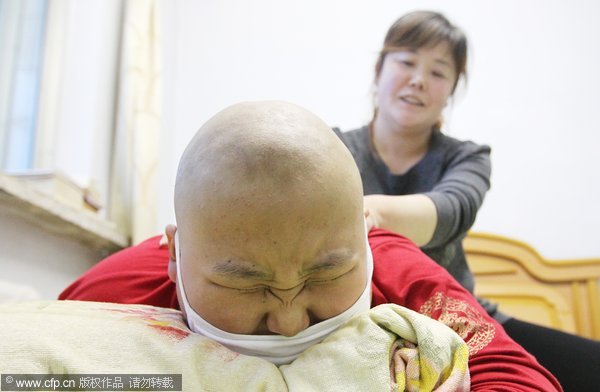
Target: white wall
{"x":36,"y":258}
{"x":532,"y":93}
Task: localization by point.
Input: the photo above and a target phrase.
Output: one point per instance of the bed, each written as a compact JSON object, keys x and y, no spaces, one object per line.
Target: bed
{"x":82,"y":338}
{"x":562,"y":294}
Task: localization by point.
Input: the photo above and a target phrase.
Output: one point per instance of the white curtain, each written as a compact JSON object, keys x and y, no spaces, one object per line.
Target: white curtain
{"x":136,"y":143}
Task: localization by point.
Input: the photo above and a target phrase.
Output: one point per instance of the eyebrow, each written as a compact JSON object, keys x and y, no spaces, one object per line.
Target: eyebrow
{"x":331,"y":261}
{"x":242,"y":270}
{"x":233,"y":269}
{"x":443,"y":62}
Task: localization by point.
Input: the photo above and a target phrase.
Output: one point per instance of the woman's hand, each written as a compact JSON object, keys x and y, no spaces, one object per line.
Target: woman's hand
{"x":371,"y":220}
{"x":413,"y":216}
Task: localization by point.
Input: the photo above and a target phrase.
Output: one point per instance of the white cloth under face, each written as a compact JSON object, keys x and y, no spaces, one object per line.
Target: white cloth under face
{"x":277,"y":349}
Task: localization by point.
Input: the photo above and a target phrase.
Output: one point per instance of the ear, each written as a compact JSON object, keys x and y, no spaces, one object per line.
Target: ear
{"x":170,"y":231}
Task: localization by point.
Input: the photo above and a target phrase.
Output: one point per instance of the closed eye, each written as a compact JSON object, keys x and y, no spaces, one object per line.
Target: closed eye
{"x":246,"y":290}
{"x":251,"y":289}
{"x":438,"y":74}
{"x":317,"y":282}
{"x":309,"y":283}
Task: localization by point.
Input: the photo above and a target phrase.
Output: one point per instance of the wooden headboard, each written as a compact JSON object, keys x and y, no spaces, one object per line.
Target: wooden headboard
{"x":561,"y":294}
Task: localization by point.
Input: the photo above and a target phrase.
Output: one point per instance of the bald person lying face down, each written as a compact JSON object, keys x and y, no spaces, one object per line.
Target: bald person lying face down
{"x":270,"y":255}
{"x":271,"y":246}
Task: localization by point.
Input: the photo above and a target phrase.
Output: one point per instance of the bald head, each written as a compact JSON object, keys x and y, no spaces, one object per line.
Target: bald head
{"x":269,"y":202}
{"x":271,"y":153}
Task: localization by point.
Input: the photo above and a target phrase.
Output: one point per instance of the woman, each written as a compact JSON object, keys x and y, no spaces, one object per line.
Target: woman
{"x":420,"y":182}
{"x":429,"y":186}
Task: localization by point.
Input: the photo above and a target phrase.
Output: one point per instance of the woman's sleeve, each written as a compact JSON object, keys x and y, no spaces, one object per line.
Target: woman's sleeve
{"x":459,"y":194}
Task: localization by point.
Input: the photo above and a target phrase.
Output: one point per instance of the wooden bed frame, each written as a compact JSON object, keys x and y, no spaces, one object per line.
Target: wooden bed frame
{"x":562,"y":294}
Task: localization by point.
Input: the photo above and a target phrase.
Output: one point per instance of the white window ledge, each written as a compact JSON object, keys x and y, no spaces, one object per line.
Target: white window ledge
{"x":54,"y":216}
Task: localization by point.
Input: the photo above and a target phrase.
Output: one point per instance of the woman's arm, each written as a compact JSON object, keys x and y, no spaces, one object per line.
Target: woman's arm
{"x":448,"y":210}
{"x":413,"y":216}
{"x":459,"y":194}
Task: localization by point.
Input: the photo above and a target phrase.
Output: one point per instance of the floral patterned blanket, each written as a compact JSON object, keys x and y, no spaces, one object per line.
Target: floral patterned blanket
{"x":386,"y":348}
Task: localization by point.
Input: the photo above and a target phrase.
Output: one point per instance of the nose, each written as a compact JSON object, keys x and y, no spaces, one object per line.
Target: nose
{"x":288,"y":317}
{"x":287,"y":295}
{"x":417,"y":80}
{"x":288,"y":321}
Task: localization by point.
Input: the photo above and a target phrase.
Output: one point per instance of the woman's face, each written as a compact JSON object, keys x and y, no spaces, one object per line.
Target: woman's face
{"x":414,"y":85}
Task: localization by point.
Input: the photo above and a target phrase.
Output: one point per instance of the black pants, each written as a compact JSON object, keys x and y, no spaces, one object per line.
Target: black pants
{"x":574,"y":361}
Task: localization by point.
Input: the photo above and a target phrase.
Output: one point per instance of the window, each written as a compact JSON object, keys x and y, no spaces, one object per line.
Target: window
{"x":80,"y":105}
{"x":22,"y":32}
{"x":58,"y":94}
